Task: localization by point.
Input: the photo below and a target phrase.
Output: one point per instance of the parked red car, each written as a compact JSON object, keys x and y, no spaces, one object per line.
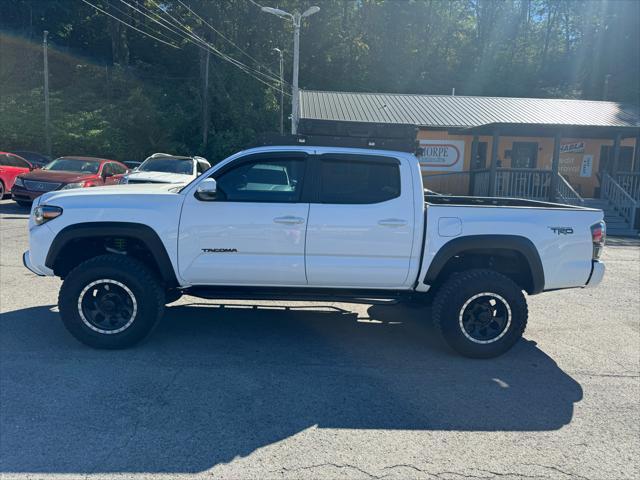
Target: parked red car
{"x":11,"y":166}
{"x":64,"y":173}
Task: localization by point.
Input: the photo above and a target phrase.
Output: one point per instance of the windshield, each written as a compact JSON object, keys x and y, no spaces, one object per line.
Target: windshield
{"x":167,"y":165}
{"x":73,"y":165}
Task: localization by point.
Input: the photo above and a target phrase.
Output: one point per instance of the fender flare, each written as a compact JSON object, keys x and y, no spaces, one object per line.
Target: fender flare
{"x":516,"y":243}
{"x":139,"y":231}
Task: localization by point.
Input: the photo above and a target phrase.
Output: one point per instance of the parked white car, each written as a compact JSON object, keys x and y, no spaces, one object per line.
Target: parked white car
{"x":309,"y":223}
{"x":165,"y":168}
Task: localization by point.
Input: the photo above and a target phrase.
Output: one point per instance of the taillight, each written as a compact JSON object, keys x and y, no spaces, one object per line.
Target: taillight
{"x":598,"y":235}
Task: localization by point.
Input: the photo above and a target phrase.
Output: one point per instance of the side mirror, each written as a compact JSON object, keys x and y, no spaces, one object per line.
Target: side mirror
{"x":207,"y":190}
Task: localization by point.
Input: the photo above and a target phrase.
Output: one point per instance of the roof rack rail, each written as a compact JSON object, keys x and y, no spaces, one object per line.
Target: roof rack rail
{"x":398,"y":144}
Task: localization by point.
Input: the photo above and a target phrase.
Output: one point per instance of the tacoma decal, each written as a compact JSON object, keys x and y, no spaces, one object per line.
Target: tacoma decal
{"x":220,"y":250}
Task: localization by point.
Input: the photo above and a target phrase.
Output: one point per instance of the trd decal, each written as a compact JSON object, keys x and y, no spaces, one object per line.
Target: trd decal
{"x":562,"y":230}
{"x":220,"y":250}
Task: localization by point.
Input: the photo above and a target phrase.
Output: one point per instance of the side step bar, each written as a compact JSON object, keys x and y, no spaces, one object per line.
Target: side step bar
{"x":371,"y":297}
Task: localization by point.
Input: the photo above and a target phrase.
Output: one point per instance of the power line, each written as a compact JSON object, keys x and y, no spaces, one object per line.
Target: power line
{"x":130,"y":26}
{"x":225,"y":38}
{"x":133,"y":18}
{"x":201,"y":43}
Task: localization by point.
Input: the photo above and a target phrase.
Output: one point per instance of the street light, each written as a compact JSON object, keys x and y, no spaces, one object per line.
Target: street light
{"x":295,"y":18}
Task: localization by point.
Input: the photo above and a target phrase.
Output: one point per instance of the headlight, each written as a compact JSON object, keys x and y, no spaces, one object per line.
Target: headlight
{"x":19,"y":182}
{"x":73,"y":185}
{"x":44,"y":213}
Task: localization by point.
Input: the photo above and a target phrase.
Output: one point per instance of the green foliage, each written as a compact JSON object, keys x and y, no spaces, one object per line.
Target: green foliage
{"x":120,"y":94}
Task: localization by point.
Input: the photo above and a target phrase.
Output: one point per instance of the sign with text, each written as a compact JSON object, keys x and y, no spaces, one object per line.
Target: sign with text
{"x":587,"y":166}
{"x":441,"y":155}
{"x":576,"y":147}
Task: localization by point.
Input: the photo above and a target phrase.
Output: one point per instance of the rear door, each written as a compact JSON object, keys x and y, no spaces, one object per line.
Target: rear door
{"x":361,"y":222}
{"x":253,"y":233}
{"x":10,"y":167}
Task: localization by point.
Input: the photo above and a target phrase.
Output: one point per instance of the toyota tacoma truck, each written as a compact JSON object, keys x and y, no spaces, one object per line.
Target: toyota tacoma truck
{"x":309,"y":223}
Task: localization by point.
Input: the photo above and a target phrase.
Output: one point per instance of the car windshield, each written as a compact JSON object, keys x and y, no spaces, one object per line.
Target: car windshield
{"x":73,"y":165}
{"x":167,"y":165}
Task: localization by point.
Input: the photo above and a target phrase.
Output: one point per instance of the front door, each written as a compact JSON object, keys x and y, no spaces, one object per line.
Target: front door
{"x":253,"y":233}
{"x":524,"y":155}
{"x":361,"y":222}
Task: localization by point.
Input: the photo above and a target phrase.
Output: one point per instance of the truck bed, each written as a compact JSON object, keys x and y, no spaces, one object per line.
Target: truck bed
{"x":434,"y":199}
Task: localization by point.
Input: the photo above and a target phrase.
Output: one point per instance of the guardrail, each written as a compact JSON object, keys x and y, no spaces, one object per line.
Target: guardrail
{"x":567,"y":194}
{"x":630,"y":181}
{"x":620,"y":199}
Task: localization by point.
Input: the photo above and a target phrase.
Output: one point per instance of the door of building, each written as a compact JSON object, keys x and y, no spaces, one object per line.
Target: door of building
{"x":524,"y":155}
{"x":606,"y":159}
{"x":478,"y":163}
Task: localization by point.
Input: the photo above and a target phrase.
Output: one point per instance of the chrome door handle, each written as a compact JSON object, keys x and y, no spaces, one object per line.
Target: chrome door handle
{"x":289,"y":220}
{"x":392,"y":222}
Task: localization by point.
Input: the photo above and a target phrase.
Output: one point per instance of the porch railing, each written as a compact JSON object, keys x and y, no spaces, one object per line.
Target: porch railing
{"x":523,"y":183}
{"x":630,"y":181}
{"x":567,"y":194}
{"x":619,"y":198}
{"x":509,"y":182}
{"x":458,"y":183}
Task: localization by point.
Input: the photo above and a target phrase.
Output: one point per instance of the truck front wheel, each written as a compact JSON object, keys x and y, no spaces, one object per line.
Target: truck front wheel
{"x":480,"y":313}
{"x":111,"y":301}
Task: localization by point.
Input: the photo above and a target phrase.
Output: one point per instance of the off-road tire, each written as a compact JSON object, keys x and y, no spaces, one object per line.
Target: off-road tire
{"x":134,"y":275}
{"x":2,"y":190}
{"x":461,"y":288}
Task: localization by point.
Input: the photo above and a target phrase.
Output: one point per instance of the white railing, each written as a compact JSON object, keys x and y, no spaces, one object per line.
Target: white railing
{"x":630,"y":181}
{"x":455,"y":183}
{"x":618,"y":197}
{"x":523,"y":183}
{"x":567,"y":194}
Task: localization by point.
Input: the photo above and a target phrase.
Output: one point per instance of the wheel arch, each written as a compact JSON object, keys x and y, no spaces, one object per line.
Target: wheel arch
{"x":490,"y":245}
{"x":95,"y":231}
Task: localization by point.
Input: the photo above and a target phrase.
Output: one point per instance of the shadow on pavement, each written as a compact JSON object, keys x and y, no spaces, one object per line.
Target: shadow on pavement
{"x":218,"y":381}
{"x":10,"y":207}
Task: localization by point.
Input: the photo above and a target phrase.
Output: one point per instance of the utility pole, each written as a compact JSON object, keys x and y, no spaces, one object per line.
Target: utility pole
{"x":205,"y":102}
{"x":47,"y":126}
{"x":281,"y":90}
{"x":295,"y":112}
{"x":296,"y":18}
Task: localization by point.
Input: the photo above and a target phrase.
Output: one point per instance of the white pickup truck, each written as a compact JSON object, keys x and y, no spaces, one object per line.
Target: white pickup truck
{"x":308,"y":223}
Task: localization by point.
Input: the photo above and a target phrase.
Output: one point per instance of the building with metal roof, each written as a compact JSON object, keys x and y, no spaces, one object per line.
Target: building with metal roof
{"x":553,"y":149}
{"x":447,"y":111}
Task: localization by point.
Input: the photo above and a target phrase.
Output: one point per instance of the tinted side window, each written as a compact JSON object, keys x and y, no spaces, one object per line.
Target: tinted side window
{"x":14,"y":161}
{"x":202,"y":167}
{"x":118,"y":169}
{"x":107,"y":170}
{"x":358,"y":182}
{"x":263,"y":180}
{"x":4,"y":161}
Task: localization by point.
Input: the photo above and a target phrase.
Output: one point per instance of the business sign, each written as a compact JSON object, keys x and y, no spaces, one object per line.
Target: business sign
{"x":441,"y":155}
{"x":587,"y":166}
{"x":576,"y":147}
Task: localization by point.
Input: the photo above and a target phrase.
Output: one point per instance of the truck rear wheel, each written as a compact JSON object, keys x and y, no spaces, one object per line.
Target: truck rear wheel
{"x":111,"y":301}
{"x":480,"y":313}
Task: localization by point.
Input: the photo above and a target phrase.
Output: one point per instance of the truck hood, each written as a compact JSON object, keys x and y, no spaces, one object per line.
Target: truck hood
{"x":159,"y":177}
{"x":108,"y":192}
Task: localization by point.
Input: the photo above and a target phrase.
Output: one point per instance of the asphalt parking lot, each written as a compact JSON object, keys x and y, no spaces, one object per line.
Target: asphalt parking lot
{"x":256,"y":390}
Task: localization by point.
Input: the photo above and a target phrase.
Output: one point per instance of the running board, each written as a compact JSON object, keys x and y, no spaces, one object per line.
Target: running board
{"x":370,"y":297}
